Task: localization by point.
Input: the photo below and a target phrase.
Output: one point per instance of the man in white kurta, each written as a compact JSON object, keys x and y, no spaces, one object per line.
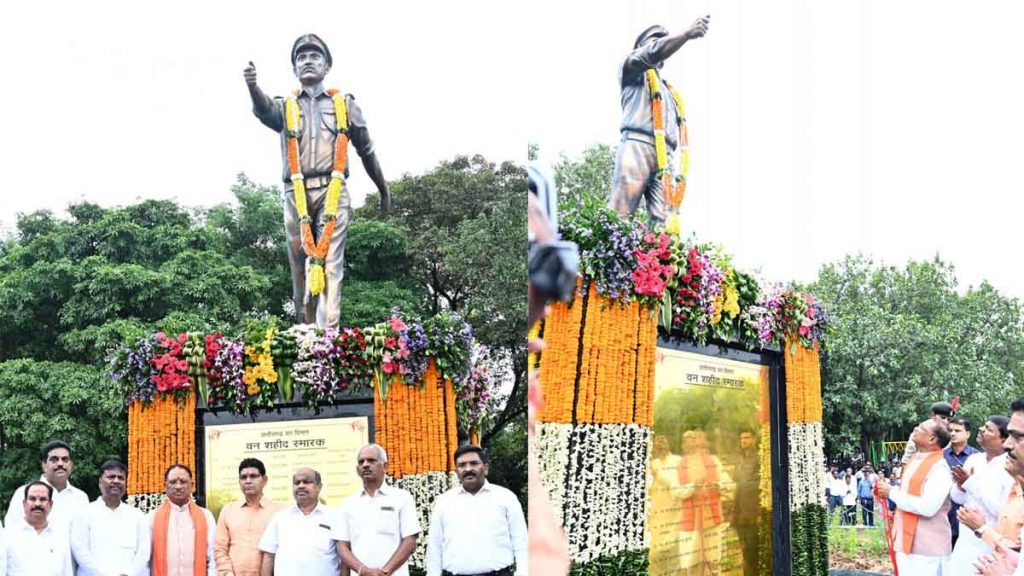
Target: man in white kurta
{"x":110,"y":536}
{"x":982,"y":484}
{"x":928,"y":552}
{"x":67,"y":499}
{"x":476,"y":527}
{"x":665,"y":512}
{"x":34,"y":547}
{"x":177,"y":537}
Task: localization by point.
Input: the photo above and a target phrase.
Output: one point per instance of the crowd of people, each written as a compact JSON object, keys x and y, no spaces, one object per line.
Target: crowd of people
{"x":956,"y":509}
{"x":51,"y":528}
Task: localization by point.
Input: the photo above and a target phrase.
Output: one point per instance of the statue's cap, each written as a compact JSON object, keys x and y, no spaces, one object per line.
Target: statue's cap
{"x":310,"y":41}
{"x":656,"y":30}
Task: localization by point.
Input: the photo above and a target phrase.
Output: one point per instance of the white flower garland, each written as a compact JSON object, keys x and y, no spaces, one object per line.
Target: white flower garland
{"x":597,"y":477}
{"x":147,"y":502}
{"x":425,"y":488}
{"x":806,"y":465}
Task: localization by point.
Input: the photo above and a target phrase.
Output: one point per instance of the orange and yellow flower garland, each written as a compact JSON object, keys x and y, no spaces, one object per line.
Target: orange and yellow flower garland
{"x":317,"y":251}
{"x":605,"y":377}
{"x":803,"y":383}
{"x":159,"y":435}
{"x":417,"y":425}
{"x":673,"y":188}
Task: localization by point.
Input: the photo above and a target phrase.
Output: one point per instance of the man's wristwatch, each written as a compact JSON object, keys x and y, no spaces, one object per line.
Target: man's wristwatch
{"x":980,"y":530}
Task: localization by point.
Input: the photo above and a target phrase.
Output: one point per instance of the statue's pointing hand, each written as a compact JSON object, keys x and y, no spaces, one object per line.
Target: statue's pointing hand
{"x":250,"y":74}
{"x":699,"y":28}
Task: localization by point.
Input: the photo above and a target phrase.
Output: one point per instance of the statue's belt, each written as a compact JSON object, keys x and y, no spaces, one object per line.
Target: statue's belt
{"x":314,"y":181}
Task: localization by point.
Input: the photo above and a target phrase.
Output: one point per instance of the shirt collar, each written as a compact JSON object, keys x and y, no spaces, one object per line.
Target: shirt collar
{"x":383,"y":490}
{"x":179,"y":508}
{"x":316,"y":95}
{"x":485,"y":488}
{"x":245,"y":503}
{"x":67,"y":487}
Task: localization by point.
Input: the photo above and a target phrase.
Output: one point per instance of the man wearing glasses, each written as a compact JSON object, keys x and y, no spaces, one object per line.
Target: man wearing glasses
{"x":921,"y":526}
{"x":241,"y":524}
{"x":67,"y":500}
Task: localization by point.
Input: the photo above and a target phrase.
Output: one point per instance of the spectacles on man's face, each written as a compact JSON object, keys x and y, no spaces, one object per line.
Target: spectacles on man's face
{"x":253,"y":476}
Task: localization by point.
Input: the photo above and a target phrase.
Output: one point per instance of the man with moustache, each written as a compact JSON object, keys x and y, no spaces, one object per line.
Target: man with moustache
{"x":377,"y":527}
{"x":34,"y":546}
{"x":981,"y":487}
{"x":110,"y":536}
{"x":297,"y":541}
{"x":183,"y":531}
{"x":921,"y":526}
{"x":477,"y":527}
{"x":67,"y":499}
{"x":1006,"y":561}
{"x":316,"y":164}
{"x":241,"y":524}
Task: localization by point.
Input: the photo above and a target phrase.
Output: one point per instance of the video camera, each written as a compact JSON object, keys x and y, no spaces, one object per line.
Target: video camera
{"x":553,"y":266}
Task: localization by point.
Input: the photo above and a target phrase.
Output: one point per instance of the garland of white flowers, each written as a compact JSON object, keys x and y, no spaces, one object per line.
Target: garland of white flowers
{"x":601,"y":496}
{"x":425,"y":488}
{"x":147,"y":502}
{"x":806,"y":469}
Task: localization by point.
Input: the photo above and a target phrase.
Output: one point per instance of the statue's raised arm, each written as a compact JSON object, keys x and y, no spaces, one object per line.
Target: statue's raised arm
{"x":653,"y":126}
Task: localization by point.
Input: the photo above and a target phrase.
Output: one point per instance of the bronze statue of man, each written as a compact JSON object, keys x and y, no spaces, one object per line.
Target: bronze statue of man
{"x":636,"y":164}
{"x":316,"y":126}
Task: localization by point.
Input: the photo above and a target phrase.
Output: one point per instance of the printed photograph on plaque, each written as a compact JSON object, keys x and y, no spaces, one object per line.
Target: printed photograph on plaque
{"x":328,"y":445}
{"x":710,"y":472}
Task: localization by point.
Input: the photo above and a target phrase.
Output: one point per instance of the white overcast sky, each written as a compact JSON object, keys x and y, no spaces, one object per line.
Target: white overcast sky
{"x":817,"y":128}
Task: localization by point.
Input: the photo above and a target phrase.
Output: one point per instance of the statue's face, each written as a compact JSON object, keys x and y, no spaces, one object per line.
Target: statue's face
{"x":311,"y":66}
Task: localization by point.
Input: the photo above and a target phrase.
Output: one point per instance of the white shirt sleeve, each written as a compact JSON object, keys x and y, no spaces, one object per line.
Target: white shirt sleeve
{"x":15,"y":511}
{"x":3,"y":553}
{"x":80,"y":529}
{"x":435,"y":539}
{"x":269,"y":542}
{"x":144,"y":544}
{"x":339,"y":532}
{"x":991,"y":494}
{"x":407,"y":521}
{"x":518,"y":532}
{"x":936,"y":489}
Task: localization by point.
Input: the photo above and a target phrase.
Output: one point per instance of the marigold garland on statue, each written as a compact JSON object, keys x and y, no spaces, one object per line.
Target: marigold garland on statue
{"x":316,"y":250}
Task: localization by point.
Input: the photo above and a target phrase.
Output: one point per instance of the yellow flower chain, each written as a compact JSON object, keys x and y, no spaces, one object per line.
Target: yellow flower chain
{"x":264,"y":368}
{"x":673,"y":196}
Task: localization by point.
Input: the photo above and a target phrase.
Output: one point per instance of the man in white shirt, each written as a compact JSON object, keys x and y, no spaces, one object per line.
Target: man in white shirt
{"x":981,"y":486}
{"x":297,"y":542}
{"x":67,"y":500}
{"x":34,"y":547}
{"x":476,"y":528}
{"x":182,"y":530}
{"x":110,"y":536}
{"x":376,"y":528}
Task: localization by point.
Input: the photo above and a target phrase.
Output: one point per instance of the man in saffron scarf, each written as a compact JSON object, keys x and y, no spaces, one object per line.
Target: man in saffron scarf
{"x":318,"y":129}
{"x":183,"y":531}
{"x":703,"y":484}
{"x":636,"y":163}
{"x":921,"y":525}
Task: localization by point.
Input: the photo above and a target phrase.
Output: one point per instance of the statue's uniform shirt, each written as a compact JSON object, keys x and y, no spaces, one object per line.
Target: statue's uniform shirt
{"x":318,"y":129}
{"x":985,"y":490}
{"x":106,"y":541}
{"x":637,"y":119}
{"x":477,"y":533}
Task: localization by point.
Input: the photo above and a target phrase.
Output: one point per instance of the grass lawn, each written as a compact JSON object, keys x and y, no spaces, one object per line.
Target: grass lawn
{"x":858,"y":547}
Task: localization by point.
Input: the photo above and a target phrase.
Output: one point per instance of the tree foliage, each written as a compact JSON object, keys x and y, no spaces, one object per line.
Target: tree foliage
{"x":903,"y":338}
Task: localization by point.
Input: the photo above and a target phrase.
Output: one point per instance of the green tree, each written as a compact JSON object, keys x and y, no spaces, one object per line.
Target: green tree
{"x":42,"y":401}
{"x":903,"y":338}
